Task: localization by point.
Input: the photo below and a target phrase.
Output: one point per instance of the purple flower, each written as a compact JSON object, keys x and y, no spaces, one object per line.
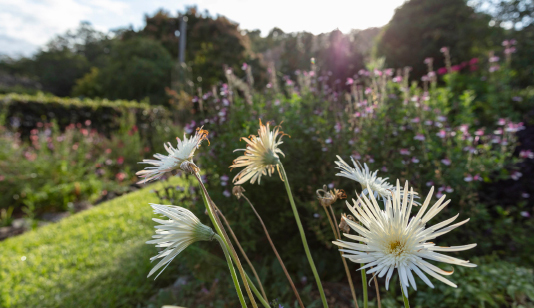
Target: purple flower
{"x":420,"y":137}
{"x":494,"y":59}
{"x":468,"y":178}
{"x":525,"y":214}
{"x":525,"y":195}
{"x":494,"y":68}
{"x":331,"y":186}
{"x":429,"y":183}
{"x":415,"y":160}
{"x":446,"y":161}
{"x":415,"y":120}
{"x":442,"y":134}
{"x":516,"y":175}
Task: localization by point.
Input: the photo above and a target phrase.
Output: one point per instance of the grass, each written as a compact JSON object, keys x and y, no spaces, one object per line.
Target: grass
{"x":97,"y":258}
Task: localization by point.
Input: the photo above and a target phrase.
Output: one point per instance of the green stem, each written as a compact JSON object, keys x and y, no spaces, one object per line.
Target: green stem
{"x":404,"y":298}
{"x":218,"y":227}
{"x":258,"y":294}
{"x":303,"y":237}
{"x":364,"y":282}
{"x":232,"y":270}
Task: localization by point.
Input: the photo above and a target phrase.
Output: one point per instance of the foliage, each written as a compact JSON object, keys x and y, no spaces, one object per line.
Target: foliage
{"x":26,"y":111}
{"x":420,"y":28}
{"x":135,"y":69}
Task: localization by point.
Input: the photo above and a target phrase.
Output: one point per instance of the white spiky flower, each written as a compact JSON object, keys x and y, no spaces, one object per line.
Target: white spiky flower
{"x":182,"y":229}
{"x":261,"y":155}
{"x":391,"y":239}
{"x":180,"y":156}
{"x":369,"y":180}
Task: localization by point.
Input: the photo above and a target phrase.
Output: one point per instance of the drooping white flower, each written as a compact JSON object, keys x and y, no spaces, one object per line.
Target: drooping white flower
{"x":182,"y":229}
{"x":183,"y":152}
{"x":369,"y":180}
{"x":391,"y":239}
{"x":261,"y":155}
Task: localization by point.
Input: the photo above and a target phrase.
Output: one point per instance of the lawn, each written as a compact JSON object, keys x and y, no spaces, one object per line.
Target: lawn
{"x":97,"y":258}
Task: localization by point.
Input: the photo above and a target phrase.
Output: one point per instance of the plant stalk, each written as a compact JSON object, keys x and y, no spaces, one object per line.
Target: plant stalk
{"x":404,"y":298}
{"x":242,"y":252}
{"x":335,"y":228}
{"x":219,"y":228}
{"x":364,"y":282}
{"x":232,"y":271}
{"x":303,"y":236}
{"x":275,"y":252}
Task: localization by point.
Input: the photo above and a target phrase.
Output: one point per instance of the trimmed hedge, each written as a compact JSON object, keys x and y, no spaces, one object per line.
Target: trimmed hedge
{"x":24,"y":111}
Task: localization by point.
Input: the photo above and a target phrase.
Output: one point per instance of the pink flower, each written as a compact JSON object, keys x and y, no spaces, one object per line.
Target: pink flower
{"x":442,"y":70}
{"x":468,"y":178}
{"x":384,"y":169}
{"x":444,"y":49}
{"x":479,"y":132}
{"x":515,"y":127}
{"x":328,"y":140}
{"x":415,"y":160}
{"x":473,"y":61}
{"x":428,"y":122}
{"x":494,"y":68}
{"x":120,"y":160}
{"x":415,"y":120}
{"x":494,"y":59}
{"x":525,"y":214}
{"x":501,"y":121}
{"x":446,"y":161}
{"x":442,"y":134}
{"x":456,"y":68}
{"x":428,"y":60}
{"x":449,"y":189}
{"x":226,"y":193}
{"x":356,"y":155}
{"x":477,"y":178}
{"x":120,"y":176}
{"x":526,"y":154}
{"x":404,"y":152}
{"x":368,"y":91}
{"x":397,"y":79}
{"x":349,"y":81}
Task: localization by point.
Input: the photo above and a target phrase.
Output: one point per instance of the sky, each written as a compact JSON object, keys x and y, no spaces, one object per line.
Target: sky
{"x":26,"y":25}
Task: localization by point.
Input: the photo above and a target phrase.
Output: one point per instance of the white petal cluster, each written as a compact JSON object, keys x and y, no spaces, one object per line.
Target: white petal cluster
{"x":183,"y":152}
{"x":181,"y":230}
{"x":369,"y":180}
{"x":391,"y":239}
{"x":261,"y":155}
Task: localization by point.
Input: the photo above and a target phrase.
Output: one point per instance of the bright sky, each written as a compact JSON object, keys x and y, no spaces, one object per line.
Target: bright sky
{"x":25,"y":25}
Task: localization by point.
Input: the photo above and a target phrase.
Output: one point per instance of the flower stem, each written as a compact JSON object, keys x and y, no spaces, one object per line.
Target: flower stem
{"x":404,"y":298}
{"x":364,"y":283}
{"x":377,"y":293}
{"x":242,"y":251}
{"x":275,"y":252}
{"x":232,"y":270}
{"x":219,"y":228}
{"x":303,"y":236}
{"x":258,"y":294}
{"x":347,"y":271}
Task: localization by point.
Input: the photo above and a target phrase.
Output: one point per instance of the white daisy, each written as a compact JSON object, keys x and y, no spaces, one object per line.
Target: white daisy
{"x":261,"y":155}
{"x":181,"y":230}
{"x":369,"y":180}
{"x":183,"y":152}
{"x":391,"y":239}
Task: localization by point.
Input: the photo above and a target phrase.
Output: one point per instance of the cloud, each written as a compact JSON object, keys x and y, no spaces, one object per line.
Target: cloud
{"x":14,"y":47}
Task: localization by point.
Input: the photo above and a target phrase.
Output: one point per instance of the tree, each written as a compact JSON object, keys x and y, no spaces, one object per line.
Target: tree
{"x":135,"y":68}
{"x":420,"y":28}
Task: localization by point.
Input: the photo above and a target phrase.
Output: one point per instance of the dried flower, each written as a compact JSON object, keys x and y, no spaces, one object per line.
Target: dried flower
{"x":327,"y":198}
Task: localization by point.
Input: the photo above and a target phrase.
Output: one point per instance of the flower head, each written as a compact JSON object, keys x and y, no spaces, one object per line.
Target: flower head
{"x":179,"y":157}
{"x":391,"y":239}
{"x":327,"y":198}
{"x":369,"y":180}
{"x":181,"y":230}
{"x":261,"y":155}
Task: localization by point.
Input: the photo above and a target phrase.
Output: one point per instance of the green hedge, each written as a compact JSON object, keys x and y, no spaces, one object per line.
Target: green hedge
{"x":24,"y":111}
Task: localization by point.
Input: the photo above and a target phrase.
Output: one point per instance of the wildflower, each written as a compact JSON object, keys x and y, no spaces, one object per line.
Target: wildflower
{"x":442,"y":70}
{"x":226,"y":193}
{"x":261,"y":155}
{"x":501,"y":122}
{"x":525,"y":214}
{"x":182,"y":229}
{"x":369,"y":180}
{"x":343,"y":225}
{"x":442,"y":134}
{"x":391,"y":239}
{"x":179,"y":157}
{"x":516,"y":175}
{"x":468,"y":178}
{"x":526,"y":154}
{"x":415,"y":160}
{"x":494,"y":59}
{"x":446,"y":161}
{"x":404,"y":152}
{"x":525,"y":195}
{"x":419,"y":137}
{"x":494,"y":68}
